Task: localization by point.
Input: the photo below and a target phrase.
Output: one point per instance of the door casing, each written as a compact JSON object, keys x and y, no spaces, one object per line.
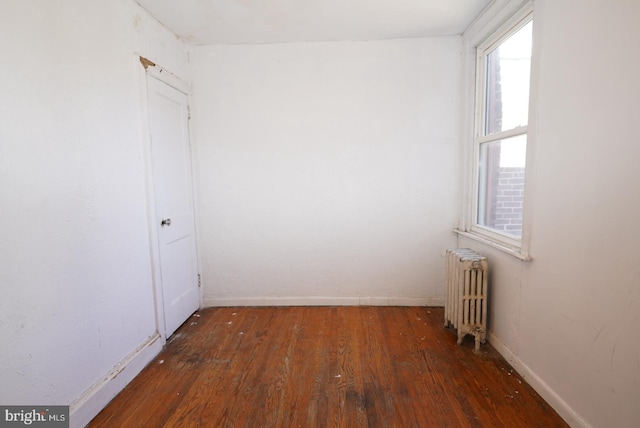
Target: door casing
{"x":148,"y":69}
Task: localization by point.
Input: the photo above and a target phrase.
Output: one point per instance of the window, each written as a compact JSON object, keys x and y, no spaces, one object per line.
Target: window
{"x":500,"y":140}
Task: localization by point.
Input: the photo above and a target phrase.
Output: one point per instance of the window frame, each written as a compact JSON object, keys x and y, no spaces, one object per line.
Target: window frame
{"x":479,"y":45}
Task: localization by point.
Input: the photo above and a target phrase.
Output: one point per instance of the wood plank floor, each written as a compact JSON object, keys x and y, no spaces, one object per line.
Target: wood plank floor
{"x":325,"y":367}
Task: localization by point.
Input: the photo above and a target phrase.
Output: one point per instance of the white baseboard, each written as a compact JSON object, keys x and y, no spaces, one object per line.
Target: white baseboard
{"x":85,"y":408}
{"x":323,"y":301}
{"x":545,"y":391}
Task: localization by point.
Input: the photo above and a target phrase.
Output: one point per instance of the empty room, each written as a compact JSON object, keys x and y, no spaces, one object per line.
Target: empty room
{"x":259,"y":213}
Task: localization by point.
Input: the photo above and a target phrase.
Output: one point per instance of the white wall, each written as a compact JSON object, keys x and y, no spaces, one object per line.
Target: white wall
{"x":75,"y":266}
{"x":326,"y":171}
{"x":326,"y":174}
{"x":569,"y":318}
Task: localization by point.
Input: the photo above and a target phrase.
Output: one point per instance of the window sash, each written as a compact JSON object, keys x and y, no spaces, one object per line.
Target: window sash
{"x":503,"y":135}
{"x":480,"y":134}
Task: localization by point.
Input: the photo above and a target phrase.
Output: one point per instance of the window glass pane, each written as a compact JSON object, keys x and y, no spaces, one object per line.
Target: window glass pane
{"x":507,"y":82}
{"x":501,"y":184}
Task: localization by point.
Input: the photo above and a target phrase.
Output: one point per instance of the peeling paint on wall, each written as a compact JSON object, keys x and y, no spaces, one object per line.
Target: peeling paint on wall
{"x":146,"y":63}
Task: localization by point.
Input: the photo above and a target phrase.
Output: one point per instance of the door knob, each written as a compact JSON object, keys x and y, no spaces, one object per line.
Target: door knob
{"x":166,"y":222}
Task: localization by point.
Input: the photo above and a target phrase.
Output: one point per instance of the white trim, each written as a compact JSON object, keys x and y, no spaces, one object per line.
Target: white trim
{"x":502,"y":135}
{"x":491,"y":18}
{"x":92,"y":401}
{"x":169,"y":78}
{"x":550,"y":396}
{"x":148,"y":70}
{"x":492,"y":235}
{"x":532,"y":134}
{"x":154,"y":245}
{"x":165,"y":76}
{"x":497,"y":244}
{"x":323,"y":301}
{"x":180,"y":85}
{"x":498,"y":22}
{"x":515,"y":22}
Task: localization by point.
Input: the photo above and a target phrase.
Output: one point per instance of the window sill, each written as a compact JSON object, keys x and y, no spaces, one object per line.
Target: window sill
{"x":515,"y":252}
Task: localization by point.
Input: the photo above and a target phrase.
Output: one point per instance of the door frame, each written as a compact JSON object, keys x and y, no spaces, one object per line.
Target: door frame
{"x":149,"y":70}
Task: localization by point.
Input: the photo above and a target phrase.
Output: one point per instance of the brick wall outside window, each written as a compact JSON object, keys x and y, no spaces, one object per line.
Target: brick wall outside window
{"x":508,"y":205}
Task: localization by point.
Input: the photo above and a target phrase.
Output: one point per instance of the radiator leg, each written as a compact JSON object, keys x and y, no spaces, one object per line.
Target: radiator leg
{"x":478,"y":343}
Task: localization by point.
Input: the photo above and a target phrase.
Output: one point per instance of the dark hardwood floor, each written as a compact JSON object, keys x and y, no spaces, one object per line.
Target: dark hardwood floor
{"x":325,"y":367}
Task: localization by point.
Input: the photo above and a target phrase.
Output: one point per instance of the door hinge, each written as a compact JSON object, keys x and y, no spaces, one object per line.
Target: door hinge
{"x":188,"y":112}
{"x":199,"y":281}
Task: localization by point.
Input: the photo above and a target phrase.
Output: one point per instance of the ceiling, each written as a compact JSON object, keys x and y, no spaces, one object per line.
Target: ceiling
{"x":203,"y":22}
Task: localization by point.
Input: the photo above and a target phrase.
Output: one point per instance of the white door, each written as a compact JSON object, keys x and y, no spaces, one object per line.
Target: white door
{"x":173,"y":191}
